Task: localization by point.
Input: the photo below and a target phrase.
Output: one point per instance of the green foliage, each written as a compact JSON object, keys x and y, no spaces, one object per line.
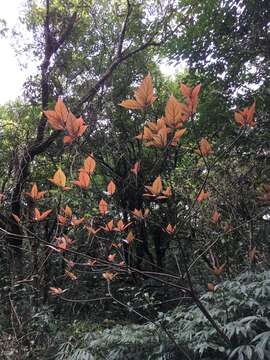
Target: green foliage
{"x":241,"y":308}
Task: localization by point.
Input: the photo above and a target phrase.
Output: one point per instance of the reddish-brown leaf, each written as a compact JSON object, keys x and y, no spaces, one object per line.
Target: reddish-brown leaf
{"x":111,"y":188}
{"x":143,"y":96}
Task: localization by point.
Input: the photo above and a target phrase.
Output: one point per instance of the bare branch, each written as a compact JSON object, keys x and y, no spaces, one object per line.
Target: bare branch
{"x":123,"y":31}
{"x":124,"y":56}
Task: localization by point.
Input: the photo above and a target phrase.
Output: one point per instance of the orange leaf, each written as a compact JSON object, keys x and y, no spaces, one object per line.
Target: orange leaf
{"x":71,"y":275}
{"x":143,"y":96}
{"x":160,"y":139}
{"x":195,"y":91}
{"x":217,"y":270}
{"x":57,"y":118}
{"x":56,"y":291}
{"x":215,"y":217}
{"x":111,"y":257}
{"x":156,"y":187}
{"x":41,"y":216}
{"x":136,"y":168}
{"x":62,"y":220}
{"x":89,"y":165}
{"x":16,"y":218}
{"x":120,"y":226}
{"x":111,"y":188}
{"x":35,"y":194}
{"x":130,"y":104}
{"x":91,"y":263}
{"x":130,"y":238}
{"x":146,"y":135}
{"x":246,"y":117}
{"x":75,"y":221}
{"x":138,"y":213}
{"x":174,"y":112}
{"x":109,"y":276}
{"x":191,"y":96}
{"x":205,"y":148}
{"x":203,"y":196}
{"x":108,"y":227}
{"x":167,"y":192}
{"x":59,"y":179}
{"x":75,"y":127}
{"x":84,"y":180}
{"x":63,"y":243}
{"x":186,"y":91}
{"x":103,"y":207}
{"x":170,"y":229}
{"x":116,"y":246}
{"x":92,"y":231}
{"x":178,"y":134}
{"x":67,"y":211}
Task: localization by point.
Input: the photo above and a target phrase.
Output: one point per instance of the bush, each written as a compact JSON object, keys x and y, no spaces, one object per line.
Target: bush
{"x":241,"y":307}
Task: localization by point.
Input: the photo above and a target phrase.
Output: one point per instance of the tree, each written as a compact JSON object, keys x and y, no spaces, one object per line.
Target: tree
{"x":147,"y":189}
{"x":59,"y":28}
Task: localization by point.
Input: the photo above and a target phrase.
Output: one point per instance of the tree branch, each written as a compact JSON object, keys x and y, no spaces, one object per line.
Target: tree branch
{"x":122,"y":56}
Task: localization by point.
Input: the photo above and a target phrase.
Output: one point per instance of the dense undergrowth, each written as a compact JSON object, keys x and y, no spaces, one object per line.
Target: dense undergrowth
{"x":241,"y":308}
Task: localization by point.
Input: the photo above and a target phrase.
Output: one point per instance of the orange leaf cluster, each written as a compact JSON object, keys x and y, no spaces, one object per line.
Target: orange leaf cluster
{"x":156,"y":190}
{"x":71,"y":275}
{"x":108,"y":227}
{"x":205,"y":148}
{"x":203,"y":196}
{"x":216,"y":268}
{"x":91,"y":263}
{"x":156,"y":134}
{"x":84,"y":180}
{"x":191,"y":96}
{"x":109,"y":276}
{"x":91,"y":230}
{"x":63,"y":243}
{"x":38,"y":216}
{"x":246,"y":117}
{"x":215,"y":217}
{"x":103,"y":207}
{"x":56,"y":291}
{"x":144,"y":96}
{"x":84,"y":173}
{"x":59,"y":179}
{"x":62,"y":119}
{"x":120,"y":226}
{"x":111,"y":257}
{"x":89,"y":165}
{"x":140,"y":214}
{"x":68,"y":218}
{"x":35,"y":194}
{"x":130,"y":238}
{"x":170,"y":229}
{"x":111,"y":188}
{"x":176,"y":113}
{"x":136,"y":168}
